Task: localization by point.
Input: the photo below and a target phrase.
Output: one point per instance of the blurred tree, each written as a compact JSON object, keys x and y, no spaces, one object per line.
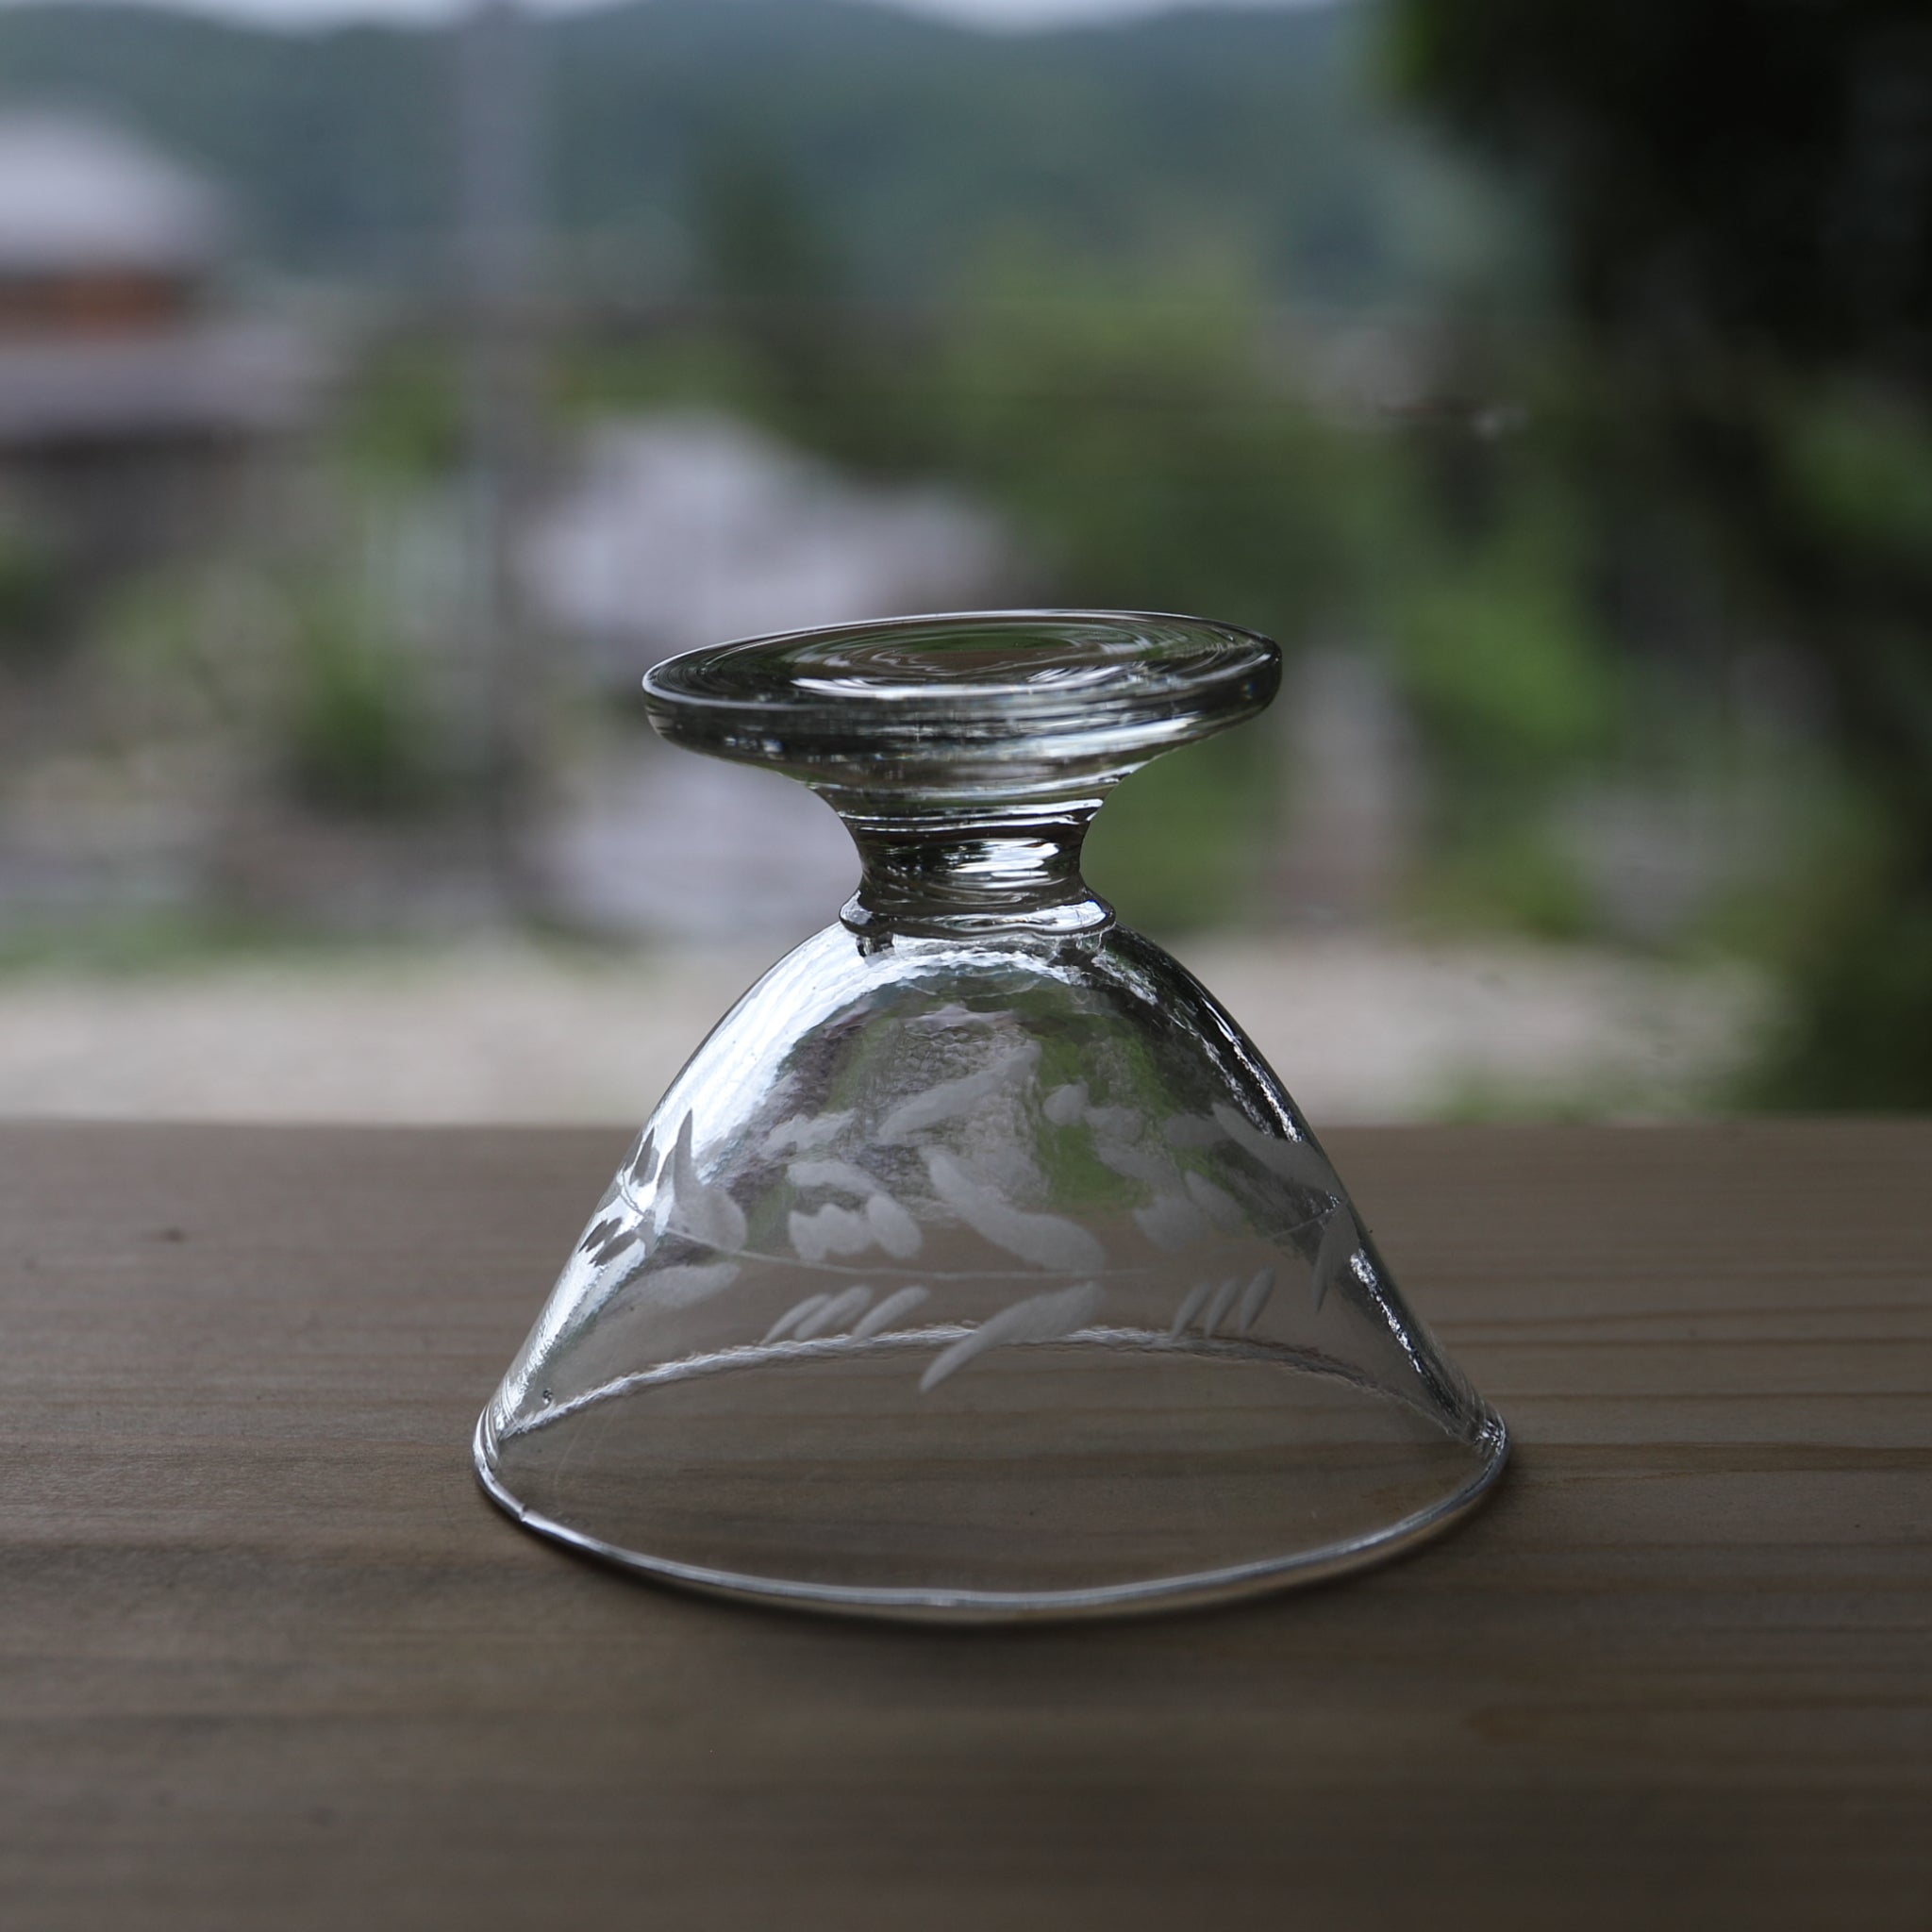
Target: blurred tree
{"x":1739,"y":199}
{"x":31,"y":634}
{"x":766,"y":259}
{"x":1139,"y":436}
{"x":1135,"y":432}
{"x":359,"y":738}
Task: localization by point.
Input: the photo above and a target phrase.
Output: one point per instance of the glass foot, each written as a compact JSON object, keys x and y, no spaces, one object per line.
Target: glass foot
{"x":1109,"y":1471}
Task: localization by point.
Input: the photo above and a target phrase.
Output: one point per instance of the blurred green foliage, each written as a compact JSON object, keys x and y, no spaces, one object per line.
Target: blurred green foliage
{"x":1740,"y":210}
{"x":1179,"y":844}
{"x":402,"y":420}
{"x":1511,"y":677}
{"x":1861,"y":463}
{"x":360,"y":736}
{"x":1137,"y":438}
{"x":30,"y":598}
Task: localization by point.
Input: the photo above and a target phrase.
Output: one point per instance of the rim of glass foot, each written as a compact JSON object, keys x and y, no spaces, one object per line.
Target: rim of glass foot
{"x":1025,"y":699}
{"x":940,"y":1604}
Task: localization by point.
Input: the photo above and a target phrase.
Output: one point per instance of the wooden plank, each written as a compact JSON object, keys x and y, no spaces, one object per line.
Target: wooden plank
{"x":268,"y":1658}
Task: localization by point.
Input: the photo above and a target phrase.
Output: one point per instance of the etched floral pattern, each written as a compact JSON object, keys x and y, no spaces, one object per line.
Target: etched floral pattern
{"x":852,"y":1190}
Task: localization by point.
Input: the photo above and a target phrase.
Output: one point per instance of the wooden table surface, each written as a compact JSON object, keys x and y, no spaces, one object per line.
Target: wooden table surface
{"x":269,"y":1660}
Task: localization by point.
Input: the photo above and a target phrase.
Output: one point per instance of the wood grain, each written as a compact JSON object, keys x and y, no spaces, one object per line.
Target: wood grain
{"x":268,"y":1659}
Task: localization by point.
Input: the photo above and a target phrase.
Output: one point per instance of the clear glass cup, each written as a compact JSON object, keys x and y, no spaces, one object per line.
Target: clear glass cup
{"x":977,"y":1266}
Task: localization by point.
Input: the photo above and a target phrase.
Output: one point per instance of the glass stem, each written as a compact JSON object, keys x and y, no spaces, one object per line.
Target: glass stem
{"x":949,"y":874}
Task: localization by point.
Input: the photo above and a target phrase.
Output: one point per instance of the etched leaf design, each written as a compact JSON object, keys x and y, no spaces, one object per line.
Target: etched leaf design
{"x":1116,"y":1123}
{"x":838,"y":1230}
{"x":1191,"y":1305}
{"x":692,"y":1281}
{"x":1216,"y":1204}
{"x":1047,"y":1240}
{"x":1254,"y":1299}
{"x":1171,"y":1222}
{"x":842,"y":1177}
{"x":1218,"y":1306}
{"x":897,"y":1232}
{"x":787,"y":1322}
{"x":1209,"y":1304}
{"x":608,"y":1237}
{"x":837,"y":1311}
{"x":1038,"y":1318}
{"x":828,"y":1231}
{"x":804,"y":1131}
{"x":1137,"y":1163}
{"x":699,"y":1210}
{"x":1300,"y":1162}
{"x":951,"y":1099}
{"x":889,"y":1310}
{"x":1066,"y":1105}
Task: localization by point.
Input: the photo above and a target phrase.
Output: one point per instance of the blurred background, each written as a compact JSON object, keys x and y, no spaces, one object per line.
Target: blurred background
{"x":384,"y":388}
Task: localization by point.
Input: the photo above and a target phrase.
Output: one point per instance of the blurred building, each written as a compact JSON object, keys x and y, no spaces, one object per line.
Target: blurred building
{"x":138,"y":400}
{"x":690,"y":527}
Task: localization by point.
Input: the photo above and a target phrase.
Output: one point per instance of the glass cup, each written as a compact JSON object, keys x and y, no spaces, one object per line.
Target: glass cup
{"x":977,"y":1266}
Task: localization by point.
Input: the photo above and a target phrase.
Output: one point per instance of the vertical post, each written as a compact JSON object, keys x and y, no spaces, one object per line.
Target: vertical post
{"x":498,"y":225}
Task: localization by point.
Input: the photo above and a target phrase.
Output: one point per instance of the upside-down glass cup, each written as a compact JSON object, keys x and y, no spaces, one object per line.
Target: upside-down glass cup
{"x":977,"y":1266}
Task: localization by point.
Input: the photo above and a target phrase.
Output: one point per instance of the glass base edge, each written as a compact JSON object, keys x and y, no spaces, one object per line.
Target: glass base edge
{"x":959,"y":1607}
